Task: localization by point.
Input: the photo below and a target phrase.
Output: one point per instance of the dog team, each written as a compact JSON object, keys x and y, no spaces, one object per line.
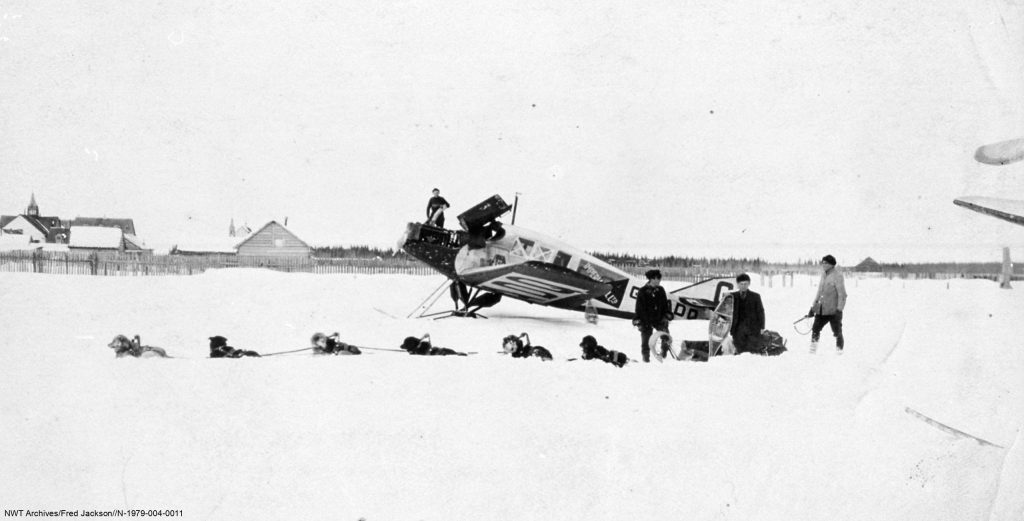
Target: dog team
{"x":518,"y":346}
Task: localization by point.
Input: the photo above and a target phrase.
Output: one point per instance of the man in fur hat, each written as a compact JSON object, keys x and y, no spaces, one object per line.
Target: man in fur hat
{"x":652,"y":311}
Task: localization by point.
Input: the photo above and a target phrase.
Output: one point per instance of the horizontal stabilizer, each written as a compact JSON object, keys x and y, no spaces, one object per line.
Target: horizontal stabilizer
{"x":1002,"y":153}
{"x":699,"y":302}
{"x":706,"y":293}
{"x":1011,"y":210}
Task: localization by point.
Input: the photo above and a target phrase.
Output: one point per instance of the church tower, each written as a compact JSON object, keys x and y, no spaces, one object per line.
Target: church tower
{"x":33,"y":208}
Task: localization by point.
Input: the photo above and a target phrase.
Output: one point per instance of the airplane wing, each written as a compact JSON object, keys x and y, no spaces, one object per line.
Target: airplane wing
{"x":1002,"y":153}
{"x":1011,"y":210}
{"x":536,"y":282}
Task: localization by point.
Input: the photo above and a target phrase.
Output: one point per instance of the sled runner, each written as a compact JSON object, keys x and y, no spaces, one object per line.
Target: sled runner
{"x":660,"y":345}
{"x":719,"y":325}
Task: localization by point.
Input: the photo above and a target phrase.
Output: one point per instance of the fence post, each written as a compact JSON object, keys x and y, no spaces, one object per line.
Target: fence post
{"x":1007,"y":270}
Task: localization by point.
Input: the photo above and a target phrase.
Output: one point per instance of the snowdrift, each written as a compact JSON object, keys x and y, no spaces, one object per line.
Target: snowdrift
{"x":389,"y":436}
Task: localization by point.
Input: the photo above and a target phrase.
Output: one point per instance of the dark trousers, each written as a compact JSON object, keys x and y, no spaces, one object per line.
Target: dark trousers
{"x":747,"y":342}
{"x":646,"y":332}
{"x":440,"y":219}
{"x":835,"y":321}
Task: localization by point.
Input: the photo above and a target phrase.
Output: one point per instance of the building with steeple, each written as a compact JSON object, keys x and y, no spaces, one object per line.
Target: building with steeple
{"x":33,"y":227}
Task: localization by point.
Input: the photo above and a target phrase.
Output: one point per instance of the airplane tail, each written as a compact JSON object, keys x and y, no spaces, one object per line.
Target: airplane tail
{"x":706,"y":293}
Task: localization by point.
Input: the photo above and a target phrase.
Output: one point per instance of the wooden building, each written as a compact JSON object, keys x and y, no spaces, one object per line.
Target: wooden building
{"x":273,"y":240}
{"x":96,"y":239}
{"x":33,"y":227}
{"x":869,"y":265}
{"x":127,"y":226}
{"x":42,"y":229}
{"x":104,"y":239}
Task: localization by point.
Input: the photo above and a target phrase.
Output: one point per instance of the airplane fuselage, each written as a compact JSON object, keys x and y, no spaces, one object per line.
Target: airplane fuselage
{"x":529,"y":266}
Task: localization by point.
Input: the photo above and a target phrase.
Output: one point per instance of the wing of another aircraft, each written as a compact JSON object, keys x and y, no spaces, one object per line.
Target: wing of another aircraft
{"x":1011,"y":210}
{"x":536,"y":282}
{"x":1002,"y":153}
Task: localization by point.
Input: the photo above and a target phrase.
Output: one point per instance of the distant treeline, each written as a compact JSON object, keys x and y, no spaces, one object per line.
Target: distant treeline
{"x":672,"y":261}
{"x":353,"y":252}
{"x":711,"y":263}
{"x":946,"y":267}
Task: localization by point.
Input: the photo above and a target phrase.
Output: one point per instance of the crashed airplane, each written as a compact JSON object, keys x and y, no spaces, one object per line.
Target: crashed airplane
{"x":503,"y":260}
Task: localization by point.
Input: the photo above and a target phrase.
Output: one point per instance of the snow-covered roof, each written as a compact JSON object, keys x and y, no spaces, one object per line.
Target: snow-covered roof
{"x":242,"y":240}
{"x":95,"y":237}
{"x":53,"y":247}
{"x":133,"y":242}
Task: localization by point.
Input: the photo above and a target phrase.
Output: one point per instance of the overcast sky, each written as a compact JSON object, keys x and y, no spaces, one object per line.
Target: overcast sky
{"x":696,"y":129}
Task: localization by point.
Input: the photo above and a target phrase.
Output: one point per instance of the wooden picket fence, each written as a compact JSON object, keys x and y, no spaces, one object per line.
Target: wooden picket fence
{"x":116,"y":264}
{"x":119,"y":264}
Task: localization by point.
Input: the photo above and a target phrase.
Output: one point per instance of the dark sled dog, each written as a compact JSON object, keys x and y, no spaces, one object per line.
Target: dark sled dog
{"x":593,"y":351}
{"x":219,"y":348}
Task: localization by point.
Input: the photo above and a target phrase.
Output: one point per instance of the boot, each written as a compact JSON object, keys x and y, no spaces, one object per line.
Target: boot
{"x":814,"y":346}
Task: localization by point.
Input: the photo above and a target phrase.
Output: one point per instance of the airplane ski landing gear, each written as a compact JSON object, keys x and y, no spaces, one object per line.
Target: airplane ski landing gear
{"x":466,"y":304}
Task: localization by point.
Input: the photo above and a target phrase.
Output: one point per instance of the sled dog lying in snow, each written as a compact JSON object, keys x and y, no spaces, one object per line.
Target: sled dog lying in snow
{"x":423,"y":347}
{"x":593,"y":351}
{"x":330,"y":345}
{"x":219,"y":348}
{"x":514,"y":345}
{"x":123,"y":347}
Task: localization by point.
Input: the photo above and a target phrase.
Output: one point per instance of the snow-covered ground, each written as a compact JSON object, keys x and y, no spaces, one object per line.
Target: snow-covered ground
{"x":388,"y":436}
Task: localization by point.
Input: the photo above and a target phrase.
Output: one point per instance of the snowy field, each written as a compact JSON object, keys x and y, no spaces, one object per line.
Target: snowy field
{"x":388,"y":436}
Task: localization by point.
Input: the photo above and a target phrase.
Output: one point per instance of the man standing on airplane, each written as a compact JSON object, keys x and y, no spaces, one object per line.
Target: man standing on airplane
{"x":435,"y":209}
{"x":652,"y":311}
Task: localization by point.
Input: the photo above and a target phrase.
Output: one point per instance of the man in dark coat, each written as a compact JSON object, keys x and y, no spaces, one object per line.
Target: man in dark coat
{"x":652,"y":311}
{"x":747,"y":317}
{"x":435,"y":209}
